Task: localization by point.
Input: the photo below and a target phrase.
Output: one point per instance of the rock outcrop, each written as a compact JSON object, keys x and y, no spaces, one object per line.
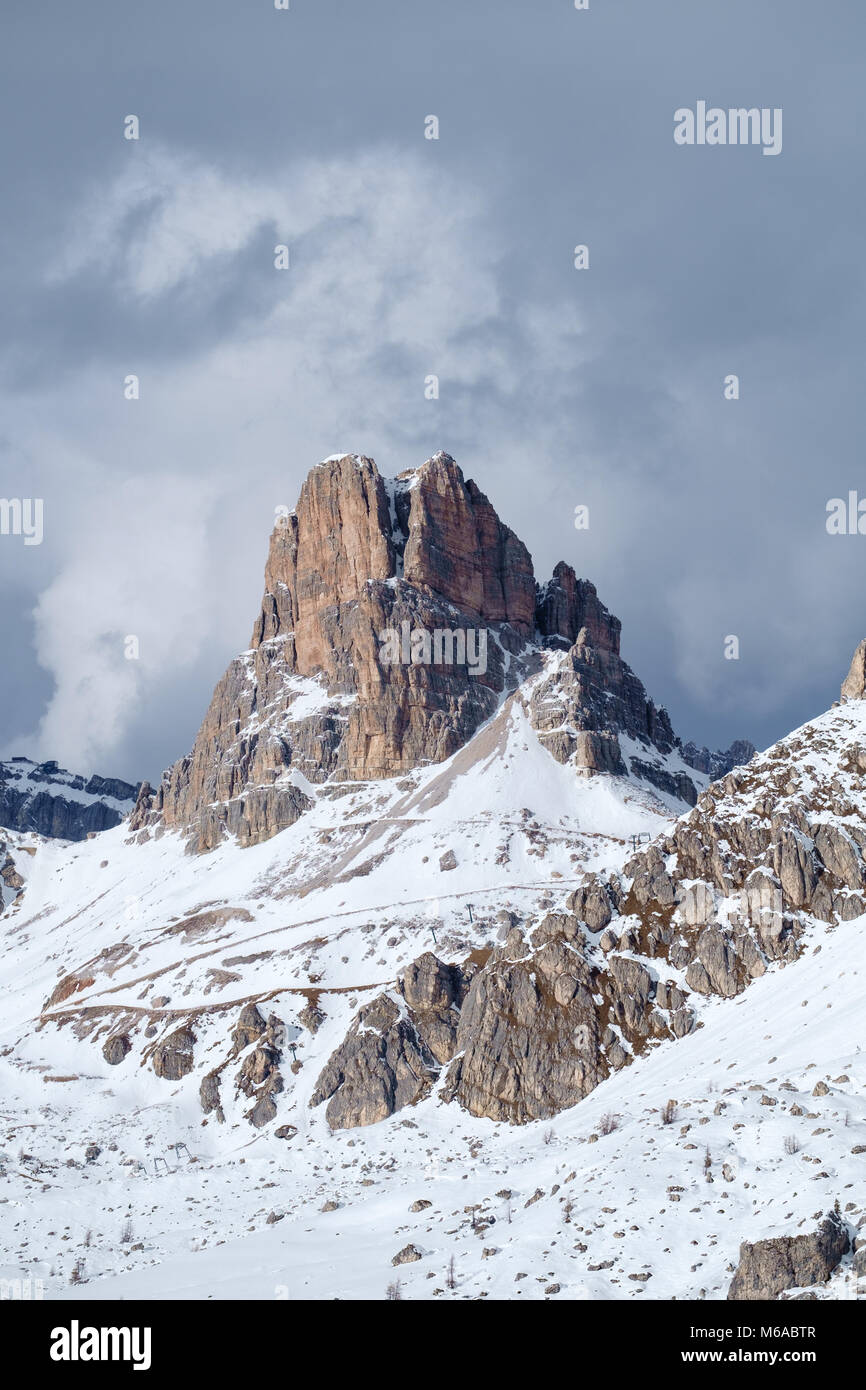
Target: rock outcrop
{"x":395,"y":1047}
{"x":11,"y":879}
{"x":544,"y":1023}
{"x":770,"y":1267}
{"x":115,"y":1048}
{"x":854,"y":684}
{"x":396,"y":614}
{"x":173,"y":1055}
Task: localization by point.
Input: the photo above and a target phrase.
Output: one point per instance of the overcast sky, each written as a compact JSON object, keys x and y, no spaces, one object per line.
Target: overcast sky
{"x":409,"y":257}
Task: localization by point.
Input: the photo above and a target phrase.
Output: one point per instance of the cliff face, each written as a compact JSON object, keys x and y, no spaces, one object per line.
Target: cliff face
{"x":322,"y":695}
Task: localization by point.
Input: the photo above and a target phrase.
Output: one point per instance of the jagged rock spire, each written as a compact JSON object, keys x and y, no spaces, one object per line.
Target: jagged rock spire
{"x":854,"y":684}
{"x":317,"y":697}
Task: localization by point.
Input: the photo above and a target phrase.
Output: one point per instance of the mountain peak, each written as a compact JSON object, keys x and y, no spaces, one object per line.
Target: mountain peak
{"x":397,"y":616}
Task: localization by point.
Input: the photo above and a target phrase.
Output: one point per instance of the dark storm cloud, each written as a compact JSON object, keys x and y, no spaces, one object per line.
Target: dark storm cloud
{"x":558,"y":387}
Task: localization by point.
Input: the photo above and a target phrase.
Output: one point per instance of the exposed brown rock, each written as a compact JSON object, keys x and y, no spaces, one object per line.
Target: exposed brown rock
{"x":311,"y":1016}
{"x":209,"y":1094}
{"x":69,"y":985}
{"x":769,"y":1267}
{"x":407,"y":1255}
{"x":342,"y":569}
{"x":359,"y":557}
{"x":250,"y":1025}
{"x":173,"y":1055}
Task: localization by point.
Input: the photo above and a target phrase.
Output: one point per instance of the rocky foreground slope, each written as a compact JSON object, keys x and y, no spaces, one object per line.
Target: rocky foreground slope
{"x":562,"y":1001}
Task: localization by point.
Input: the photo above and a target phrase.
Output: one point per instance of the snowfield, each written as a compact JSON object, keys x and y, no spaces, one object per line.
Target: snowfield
{"x":606,"y":1201}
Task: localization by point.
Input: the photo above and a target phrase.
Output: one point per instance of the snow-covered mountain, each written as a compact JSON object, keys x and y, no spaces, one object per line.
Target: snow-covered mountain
{"x":47,"y":800}
{"x":526,"y":1009}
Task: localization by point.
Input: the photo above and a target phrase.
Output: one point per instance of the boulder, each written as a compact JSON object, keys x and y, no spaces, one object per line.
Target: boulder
{"x":769,"y":1267}
{"x":173,"y":1055}
{"x":115,"y":1048}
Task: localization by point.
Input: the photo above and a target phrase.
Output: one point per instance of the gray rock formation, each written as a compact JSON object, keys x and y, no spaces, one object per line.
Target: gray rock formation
{"x":44,"y":798}
{"x":395,"y":1048}
{"x":718,"y":764}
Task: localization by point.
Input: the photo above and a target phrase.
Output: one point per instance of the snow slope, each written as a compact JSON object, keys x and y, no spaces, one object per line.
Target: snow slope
{"x":329,"y":912}
{"x":635,"y":1201}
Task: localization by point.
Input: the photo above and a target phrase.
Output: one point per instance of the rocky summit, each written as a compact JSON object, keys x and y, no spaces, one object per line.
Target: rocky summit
{"x":314,"y":698}
{"x":475,"y":968}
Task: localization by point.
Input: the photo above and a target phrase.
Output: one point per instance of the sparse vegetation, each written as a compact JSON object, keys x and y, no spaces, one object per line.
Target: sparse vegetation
{"x":670,"y":1111}
{"x":792,"y":1144}
{"x":608,"y":1123}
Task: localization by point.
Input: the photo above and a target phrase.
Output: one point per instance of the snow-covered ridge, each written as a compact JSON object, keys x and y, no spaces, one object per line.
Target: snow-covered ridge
{"x":49,"y":800}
